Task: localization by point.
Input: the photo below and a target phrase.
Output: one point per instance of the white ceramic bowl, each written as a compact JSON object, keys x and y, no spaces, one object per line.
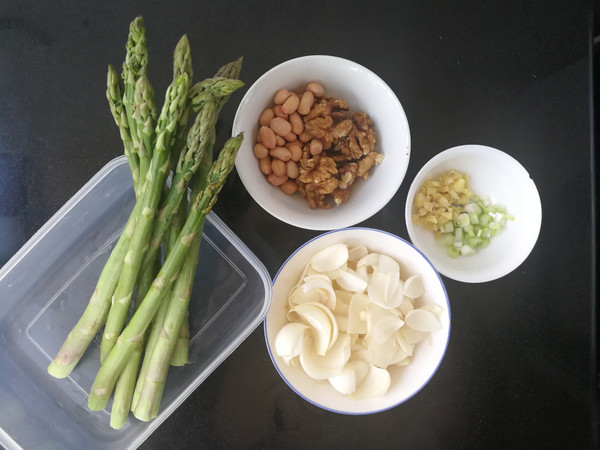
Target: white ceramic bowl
{"x":501,"y":177}
{"x":363,"y":91}
{"x":407,"y":380}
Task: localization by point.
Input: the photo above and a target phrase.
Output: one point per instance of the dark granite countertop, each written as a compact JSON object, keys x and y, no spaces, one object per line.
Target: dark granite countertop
{"x":520,"y":369}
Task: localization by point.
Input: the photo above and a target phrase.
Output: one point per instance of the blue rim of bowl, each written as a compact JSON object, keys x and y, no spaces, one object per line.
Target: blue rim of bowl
{"x":363,"y":413}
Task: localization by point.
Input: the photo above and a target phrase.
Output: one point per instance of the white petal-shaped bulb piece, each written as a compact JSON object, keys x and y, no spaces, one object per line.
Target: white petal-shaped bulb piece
{"x":375,"y":384}
{"x":388,"y":265}
{"x":345,"y":382}
{"x":357,"y":314}
{"x":434,"y":308}
{"x":342,"y":302}
{"x":330,"y":258}
{"x":339,"y":353}
{"x":381,"y":354}
{"x":379,"y":291}
{"x":314,"y":290}
{"x":322,"y":367}
{"x":342,"y":323}
{"x":403,"y":344}
{"x":369,"y":260}
{"x":289,"y":341}
{"x":358,"y":252}
{"x":406,"y":306}
{"x":321,"y":322}
{"x":411,"y":336}
{"x":385,"y":327}
{"x":348,"y":280}
{"x":413,"y":286}
{"x":422,"y":320}
{"x":319,"y":290}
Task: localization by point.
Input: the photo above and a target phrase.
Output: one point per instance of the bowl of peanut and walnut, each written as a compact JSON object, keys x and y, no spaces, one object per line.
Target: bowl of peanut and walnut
{"x":326,"y":142}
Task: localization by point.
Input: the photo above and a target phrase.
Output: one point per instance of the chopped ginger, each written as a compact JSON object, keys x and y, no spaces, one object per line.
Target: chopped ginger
{"x":441,"y":200}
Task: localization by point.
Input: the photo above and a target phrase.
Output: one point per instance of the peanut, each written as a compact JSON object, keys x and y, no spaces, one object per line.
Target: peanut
{"x":316,"y":88}
{"x":265,"y":165}
{"x":266,"y":117}
{"x":279,"y":141}
{"x":291,"y":138}
{"x":295,"y":150}
{"x":291,"y":104}
{"x":280,"y":126}
{"x":282,"y":153}
{"x":260,"y":151}
{"x":316,"y":147}
{"x":267,"y":136}
{"x":278,"y":167}
{"x":281,"y":96}
{"x":297,"y":123}
{"x":305,"y":137}
{"x":306,"y":103}
{"x":291,"y":169}
{"x":277,"y":180}
{"x":280,"y":113}
{"x":289,"y":187}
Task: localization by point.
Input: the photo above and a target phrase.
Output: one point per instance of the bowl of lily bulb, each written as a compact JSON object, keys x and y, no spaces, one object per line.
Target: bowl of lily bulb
{"x":359,"y":323}
{"x":326,"y":142}
{"x":475,"y":212}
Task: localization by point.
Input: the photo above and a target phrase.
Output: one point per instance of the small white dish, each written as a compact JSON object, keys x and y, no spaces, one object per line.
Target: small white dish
{"x":408,"y":380}
{"x":363,"y":91}
{"x":505,"y":181}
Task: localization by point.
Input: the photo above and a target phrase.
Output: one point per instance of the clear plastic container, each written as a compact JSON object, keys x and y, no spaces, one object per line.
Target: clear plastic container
{"x":46,"y":286}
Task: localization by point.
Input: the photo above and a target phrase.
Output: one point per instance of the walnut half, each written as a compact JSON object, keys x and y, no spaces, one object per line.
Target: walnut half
{"x":348,"y":152}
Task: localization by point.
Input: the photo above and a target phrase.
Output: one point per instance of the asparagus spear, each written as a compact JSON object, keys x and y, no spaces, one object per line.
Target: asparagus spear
{"x":231,"y":69}
{"x":206,"y":90}
{"x":144,"y":114}
{"x":124,"y":390}
{"x":156,"y":324}
{"x":182,"y":63}
{"x":151,"y":381}
{"x":117,"y":358}
{"x":136,"y":61}
{"x":200,"y":137}
{"x":181,"y":351}
{"x":115,"y":101}
{"x":175,"y":101}
{"x":122,"y":398}
{"x":95,"y":313}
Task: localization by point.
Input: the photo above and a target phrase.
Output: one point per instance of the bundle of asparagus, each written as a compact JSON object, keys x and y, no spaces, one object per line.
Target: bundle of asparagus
{"x":155,"y":145}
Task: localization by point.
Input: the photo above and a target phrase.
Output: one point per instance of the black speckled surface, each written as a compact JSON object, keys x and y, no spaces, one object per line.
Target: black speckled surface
{"x":520,"y":367}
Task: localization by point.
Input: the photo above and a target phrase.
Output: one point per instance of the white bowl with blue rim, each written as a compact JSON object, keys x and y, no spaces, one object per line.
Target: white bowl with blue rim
{"x":406,"y":381}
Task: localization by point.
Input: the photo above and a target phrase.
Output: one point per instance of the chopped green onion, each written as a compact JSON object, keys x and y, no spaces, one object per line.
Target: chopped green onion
{"x":463,"y":220}
{"x":472,"y":229}
{"x":445,"y":240}
{"x":452,"y":252}
{"x":473,"y":208}
{"x":467,"y":250}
